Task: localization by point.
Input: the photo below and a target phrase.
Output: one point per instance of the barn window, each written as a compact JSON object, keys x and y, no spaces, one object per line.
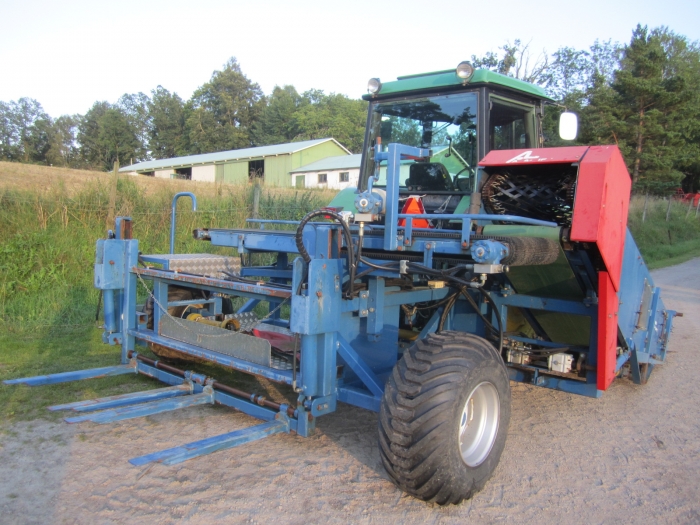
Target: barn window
{"x":183,"y":173}
{"x":256,"y":169}
{"x":322,"y":178}
{"x":344,"y":176}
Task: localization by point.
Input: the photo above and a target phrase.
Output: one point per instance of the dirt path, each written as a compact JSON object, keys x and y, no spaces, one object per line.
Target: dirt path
{"x":631,"y":457}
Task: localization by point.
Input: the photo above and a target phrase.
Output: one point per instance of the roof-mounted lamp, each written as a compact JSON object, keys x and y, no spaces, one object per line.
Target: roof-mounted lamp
{"x":464,"y":71}
{"x":373,"y":86}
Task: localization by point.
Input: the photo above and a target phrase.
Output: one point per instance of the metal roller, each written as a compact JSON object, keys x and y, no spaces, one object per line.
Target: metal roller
{"x":530,"y":251}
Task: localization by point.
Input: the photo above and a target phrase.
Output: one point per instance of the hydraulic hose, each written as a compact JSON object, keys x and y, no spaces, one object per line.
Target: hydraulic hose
{"x":374,"y":267}
{"x":299,"y":238}
{"x":498,"y":318}
{"x":443,"y":274}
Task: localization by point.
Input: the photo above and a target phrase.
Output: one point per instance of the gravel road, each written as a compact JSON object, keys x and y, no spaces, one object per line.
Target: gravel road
{"x":632,"y":456}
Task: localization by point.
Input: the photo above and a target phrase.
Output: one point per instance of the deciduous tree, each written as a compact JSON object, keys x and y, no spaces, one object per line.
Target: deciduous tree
{"x":24,"y":129}
{"x":106,"y":134}
{"x":333,"y":115}
{"x":134,"y":107}
{"x":166,"y":124}
{"x":222,"y":112}
{"x":277,"y":123}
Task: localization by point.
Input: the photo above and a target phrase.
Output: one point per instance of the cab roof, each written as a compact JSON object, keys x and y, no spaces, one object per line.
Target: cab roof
{"x":448,"y":78}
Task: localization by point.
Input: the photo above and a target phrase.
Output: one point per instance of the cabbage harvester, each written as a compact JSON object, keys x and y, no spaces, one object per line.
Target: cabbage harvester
{"x":470,"y":256}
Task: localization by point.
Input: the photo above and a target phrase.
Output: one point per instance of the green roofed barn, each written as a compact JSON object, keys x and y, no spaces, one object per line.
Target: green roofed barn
{"x":271,"y":163}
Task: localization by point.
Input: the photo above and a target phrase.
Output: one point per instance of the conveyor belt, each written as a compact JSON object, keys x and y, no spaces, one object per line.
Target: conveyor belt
{"x":556,"y":281}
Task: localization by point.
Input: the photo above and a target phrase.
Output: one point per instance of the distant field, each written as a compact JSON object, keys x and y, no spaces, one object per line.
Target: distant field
{"x":48,"y":180}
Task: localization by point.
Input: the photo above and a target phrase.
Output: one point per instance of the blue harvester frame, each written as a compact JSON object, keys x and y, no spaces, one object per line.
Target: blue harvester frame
{"x":347,"y":346}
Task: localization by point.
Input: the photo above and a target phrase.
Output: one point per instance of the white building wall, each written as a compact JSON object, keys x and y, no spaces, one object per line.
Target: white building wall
{"x":204,"y":173}
{"x":164,"y":174}
{"x":333,"y":179}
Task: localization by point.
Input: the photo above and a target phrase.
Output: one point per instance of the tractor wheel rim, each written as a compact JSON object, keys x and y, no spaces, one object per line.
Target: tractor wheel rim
{"x":478,"y":424}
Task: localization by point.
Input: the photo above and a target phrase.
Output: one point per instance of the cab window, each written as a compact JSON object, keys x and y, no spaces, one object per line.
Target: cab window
{"x":511,"y":124}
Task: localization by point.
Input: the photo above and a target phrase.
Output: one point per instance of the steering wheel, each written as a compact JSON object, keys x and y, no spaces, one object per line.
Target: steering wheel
{"x":467,"y":169}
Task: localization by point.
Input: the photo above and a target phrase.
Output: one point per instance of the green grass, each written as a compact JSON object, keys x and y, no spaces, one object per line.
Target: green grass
{"x":664,"y":243}
{"x":54,"y":349}
{"x":47,"y":240}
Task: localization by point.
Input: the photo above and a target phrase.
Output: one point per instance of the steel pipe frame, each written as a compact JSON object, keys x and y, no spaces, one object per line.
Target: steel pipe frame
{"x":366,"y":395}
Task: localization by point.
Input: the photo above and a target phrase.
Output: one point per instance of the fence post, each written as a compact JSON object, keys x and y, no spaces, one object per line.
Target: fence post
{"x":690,"y":207}
{"x":697,"y":208}
{"x":644,"y":212}
{"x":256,"y":200}
{"x":668,"y":210}
{"x":111,"y":215}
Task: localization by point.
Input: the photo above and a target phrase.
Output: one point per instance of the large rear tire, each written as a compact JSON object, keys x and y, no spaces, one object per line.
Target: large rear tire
{"x":444,"y":417}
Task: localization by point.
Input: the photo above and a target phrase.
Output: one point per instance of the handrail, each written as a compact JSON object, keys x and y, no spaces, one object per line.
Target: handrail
{"x":478,"y":217}
{"x":172,"y":214}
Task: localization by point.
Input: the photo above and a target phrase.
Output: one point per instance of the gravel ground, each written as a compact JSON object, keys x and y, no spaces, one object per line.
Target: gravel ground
{"x":632,"y":456}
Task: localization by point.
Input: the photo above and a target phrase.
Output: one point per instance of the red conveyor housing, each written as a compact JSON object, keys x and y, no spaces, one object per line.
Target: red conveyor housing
{"x":601,"y":205}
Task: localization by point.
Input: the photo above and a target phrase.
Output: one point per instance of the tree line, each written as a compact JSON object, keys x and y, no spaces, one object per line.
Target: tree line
{"x":228,"y":112}
{"x":643,"y":96}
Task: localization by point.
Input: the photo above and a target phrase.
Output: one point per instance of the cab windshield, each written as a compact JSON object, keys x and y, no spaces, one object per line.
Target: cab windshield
{"x":446,"y":124}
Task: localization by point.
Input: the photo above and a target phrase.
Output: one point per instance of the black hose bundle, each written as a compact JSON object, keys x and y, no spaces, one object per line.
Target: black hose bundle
{"x":299,"y":238}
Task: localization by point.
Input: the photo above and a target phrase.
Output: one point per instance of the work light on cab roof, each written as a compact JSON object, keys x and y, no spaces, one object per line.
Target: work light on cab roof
{"x":465,"y":71}
{"x":373,"y":86}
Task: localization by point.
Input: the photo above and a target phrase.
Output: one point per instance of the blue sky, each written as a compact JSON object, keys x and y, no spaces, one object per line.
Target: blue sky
{"x":71,"y":53}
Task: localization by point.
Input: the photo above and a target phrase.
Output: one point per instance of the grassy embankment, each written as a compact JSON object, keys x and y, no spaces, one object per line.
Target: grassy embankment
{"x":664,"y":243}
{"x":50,"y":219}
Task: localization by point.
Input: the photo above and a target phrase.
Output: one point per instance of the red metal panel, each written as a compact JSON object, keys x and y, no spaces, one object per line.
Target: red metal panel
{"x":601,"y":205}
{"x":534,"y":156}
{"x":607,"y":331}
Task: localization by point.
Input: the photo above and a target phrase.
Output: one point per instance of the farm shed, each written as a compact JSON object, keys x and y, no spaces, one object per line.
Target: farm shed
{"x":272,"y":163}
{"x":332,"y":172}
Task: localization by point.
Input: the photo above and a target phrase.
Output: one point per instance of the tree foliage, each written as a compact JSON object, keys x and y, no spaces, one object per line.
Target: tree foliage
{"x":166,"y":125}
{"x":515,"y":61}
{"x":277,"y":124}
{"x":24,"y":130}
{"x":106,"y":134}
{"x":331,"y":115}
{"x":650,"y":108}
{"x":228,"y":112}
{"x":222,"y":112}
{"x":644,"y":97}
{"x":135,"y":109}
